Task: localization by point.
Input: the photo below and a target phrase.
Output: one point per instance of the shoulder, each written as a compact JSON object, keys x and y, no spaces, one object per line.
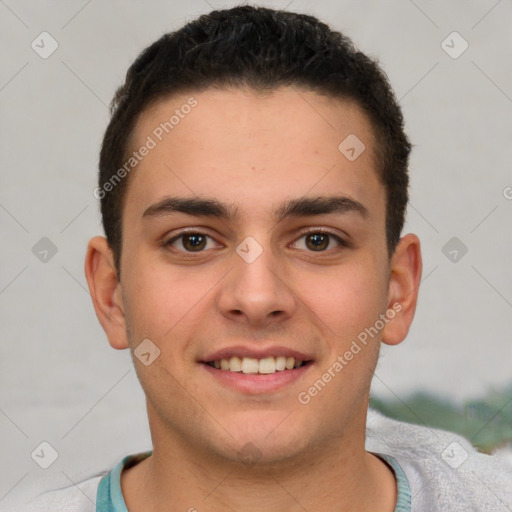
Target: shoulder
{"x":442,"y":467}
{"x":74,"y":498}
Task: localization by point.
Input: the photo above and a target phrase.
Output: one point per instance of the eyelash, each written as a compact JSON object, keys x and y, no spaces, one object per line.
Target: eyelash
{"x":341,"y":242}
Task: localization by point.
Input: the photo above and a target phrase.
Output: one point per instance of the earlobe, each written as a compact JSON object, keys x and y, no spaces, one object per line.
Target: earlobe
{"x":404,"y":281}
{"x":105,"y":290}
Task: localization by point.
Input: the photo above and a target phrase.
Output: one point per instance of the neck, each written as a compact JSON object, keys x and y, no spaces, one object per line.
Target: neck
{"x":328,"y":478}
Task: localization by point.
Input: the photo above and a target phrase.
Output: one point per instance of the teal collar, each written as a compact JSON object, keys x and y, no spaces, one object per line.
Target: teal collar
{"x":110,"y":496}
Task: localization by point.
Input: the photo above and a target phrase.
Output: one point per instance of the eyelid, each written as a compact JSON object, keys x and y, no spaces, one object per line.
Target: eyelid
{"x":319,"y":229}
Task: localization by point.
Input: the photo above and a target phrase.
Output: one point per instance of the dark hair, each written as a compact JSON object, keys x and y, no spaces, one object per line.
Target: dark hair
{"x":262,"y":49}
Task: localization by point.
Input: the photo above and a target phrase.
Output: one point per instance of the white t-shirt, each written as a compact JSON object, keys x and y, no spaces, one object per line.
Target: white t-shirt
{"x":435,"y":470}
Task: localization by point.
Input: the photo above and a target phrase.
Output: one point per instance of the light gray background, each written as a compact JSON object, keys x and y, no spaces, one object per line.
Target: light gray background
{"x":60,"y":380}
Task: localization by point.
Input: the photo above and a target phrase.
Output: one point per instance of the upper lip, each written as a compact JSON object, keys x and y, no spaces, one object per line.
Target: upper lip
{"x":255,"y":352}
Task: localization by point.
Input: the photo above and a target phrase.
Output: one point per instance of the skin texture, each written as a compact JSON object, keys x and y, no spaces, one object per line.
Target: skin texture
{"x":253,"y":152}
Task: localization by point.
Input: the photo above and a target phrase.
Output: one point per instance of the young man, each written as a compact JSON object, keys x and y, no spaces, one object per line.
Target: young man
{"x":253,"y":185}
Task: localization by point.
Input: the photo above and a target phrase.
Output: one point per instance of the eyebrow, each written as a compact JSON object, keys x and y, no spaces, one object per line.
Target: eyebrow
{"x":301,"y":207}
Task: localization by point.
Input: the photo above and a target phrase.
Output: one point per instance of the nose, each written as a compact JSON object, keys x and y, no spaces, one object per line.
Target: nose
{"x":257,"y":292}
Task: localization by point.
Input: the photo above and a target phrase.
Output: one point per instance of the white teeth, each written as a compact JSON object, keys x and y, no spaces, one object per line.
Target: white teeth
{"x":250,"y":365}
{"x":235,"y":364}
{"x":280,"y":363}
{"x":266,"y":365}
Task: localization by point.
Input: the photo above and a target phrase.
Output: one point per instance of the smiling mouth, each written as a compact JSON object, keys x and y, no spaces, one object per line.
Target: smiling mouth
{"x":264,"y":366}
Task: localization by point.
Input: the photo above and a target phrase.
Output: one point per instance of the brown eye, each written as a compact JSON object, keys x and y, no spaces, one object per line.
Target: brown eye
{"x":319,"y":241}
{"x":190,"y":242}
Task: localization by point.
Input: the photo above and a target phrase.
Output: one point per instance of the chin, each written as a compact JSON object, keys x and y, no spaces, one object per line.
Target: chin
{"x":264,"y":438}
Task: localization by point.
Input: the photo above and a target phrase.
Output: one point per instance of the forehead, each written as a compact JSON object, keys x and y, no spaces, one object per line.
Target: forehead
{"x":250,"y":150}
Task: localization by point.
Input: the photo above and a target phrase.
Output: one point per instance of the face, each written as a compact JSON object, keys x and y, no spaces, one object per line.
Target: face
{"x":274,"y":255}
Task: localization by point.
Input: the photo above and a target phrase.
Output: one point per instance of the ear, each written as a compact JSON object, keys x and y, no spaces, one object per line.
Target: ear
{"x":404,"y":282}
{"x":105,"y":289}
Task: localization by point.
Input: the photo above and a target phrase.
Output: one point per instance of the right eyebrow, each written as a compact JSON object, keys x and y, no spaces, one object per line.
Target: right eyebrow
{"x":192,"y":206}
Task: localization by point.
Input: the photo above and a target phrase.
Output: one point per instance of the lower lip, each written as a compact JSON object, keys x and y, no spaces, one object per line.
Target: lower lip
{"x":254,"y":383}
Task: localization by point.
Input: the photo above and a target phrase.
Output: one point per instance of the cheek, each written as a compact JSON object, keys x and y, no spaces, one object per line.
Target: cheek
{"x":154,"y":301}
{"x":348,"y":307}
{"x":348,"y":300}
{"x":164,"y":301}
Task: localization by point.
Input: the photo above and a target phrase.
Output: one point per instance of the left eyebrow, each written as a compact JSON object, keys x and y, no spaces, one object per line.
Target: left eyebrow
{"x":320,"y":205}
{"x":301,"y":207}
